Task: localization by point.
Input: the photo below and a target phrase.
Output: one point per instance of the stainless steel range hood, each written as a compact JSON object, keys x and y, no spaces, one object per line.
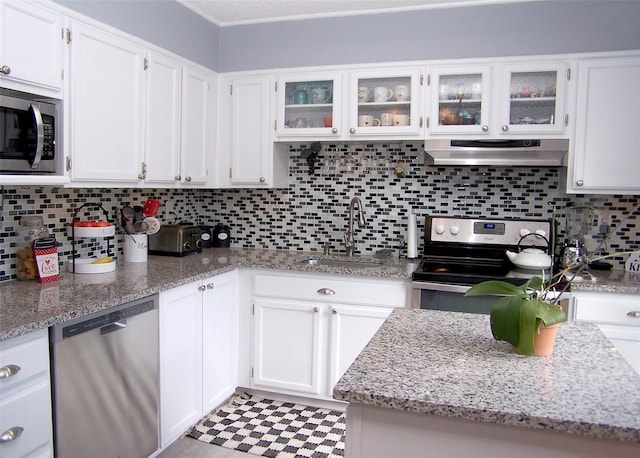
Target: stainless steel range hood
{"x":509,"y":153}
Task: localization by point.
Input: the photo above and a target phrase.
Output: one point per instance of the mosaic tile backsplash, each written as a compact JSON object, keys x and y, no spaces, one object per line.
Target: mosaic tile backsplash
{"x":391,"y":181}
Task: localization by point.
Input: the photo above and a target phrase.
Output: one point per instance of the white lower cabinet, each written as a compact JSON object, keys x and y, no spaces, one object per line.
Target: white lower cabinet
{"x":307,"y":330}
{"x":617,"y":316}
{"x":25,"y":397}
{"x":198,"y":351}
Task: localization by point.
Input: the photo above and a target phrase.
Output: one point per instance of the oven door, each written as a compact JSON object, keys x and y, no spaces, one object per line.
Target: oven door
{"x":449,"y":297}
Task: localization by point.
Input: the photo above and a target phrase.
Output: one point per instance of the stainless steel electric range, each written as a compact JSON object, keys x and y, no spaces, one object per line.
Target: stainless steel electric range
{"x":460,"y":252}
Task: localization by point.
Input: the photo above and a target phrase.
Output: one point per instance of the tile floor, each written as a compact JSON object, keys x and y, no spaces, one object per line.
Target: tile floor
{"x":186,"y":447}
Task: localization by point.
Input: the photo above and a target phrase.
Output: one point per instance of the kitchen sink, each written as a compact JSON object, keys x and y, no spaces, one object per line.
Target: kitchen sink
{"x":353,"y":263}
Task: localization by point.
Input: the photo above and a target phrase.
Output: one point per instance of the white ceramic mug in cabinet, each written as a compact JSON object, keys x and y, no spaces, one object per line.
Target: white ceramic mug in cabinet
{"x":401,"y":120}
{"x":403,"y":93}
{"x":368,"y":121}
{"x":386,"y":119}
{"x":382,"y":94}
{"x":363,"y":94}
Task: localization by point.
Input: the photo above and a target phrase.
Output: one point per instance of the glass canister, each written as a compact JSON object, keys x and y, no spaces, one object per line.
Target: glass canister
{"x":31,"y":228}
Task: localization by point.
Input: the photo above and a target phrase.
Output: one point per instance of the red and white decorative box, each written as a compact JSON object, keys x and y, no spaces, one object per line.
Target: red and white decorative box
{"x":47,"y":263}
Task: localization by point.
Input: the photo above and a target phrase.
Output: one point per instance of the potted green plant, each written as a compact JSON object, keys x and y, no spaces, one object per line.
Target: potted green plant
{"x":522,"y":313}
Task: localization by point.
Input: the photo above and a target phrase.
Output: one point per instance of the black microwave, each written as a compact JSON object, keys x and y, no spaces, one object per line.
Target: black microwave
{"x":27,"y":136}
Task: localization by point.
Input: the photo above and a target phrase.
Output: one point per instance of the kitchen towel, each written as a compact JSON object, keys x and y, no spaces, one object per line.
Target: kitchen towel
{"x":412,"y":236}
{"x":265,"y":427}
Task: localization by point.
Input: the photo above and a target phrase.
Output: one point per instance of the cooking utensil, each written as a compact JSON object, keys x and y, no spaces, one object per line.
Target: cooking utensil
{"x":140,"y":227}
{"x":128,"y":215}
{"x":153,"y":225}
{"x":150,"y":207}
{"x":138,"y":213}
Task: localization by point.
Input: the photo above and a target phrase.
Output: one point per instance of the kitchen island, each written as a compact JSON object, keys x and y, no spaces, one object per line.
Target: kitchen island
{"x":434,"y":383}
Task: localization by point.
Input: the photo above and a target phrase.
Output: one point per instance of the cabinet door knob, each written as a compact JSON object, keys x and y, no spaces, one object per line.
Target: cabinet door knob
{"x":505,"y":128}
{"x":334,"y":130}
{"x":177,"y":178}
{"x":485,"y":128}
{"x":263,"y":179}
{"x":11,"y":434}
{"x":187,"y":179}
{"x":334,"y":311}
{"x":579,"y":183}
{"x":9,"y":370}
{"x":201,"y":288}
{"x":5,"y":70}
{"x":326,"y":291}
{"x":210,"y":286}
{"x":634,"y":314}
{"x":352,"y":130}
{"x":316,"y":309}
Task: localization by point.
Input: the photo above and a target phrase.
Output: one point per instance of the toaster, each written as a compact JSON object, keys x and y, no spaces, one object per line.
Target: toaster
{"x":176,"y":240}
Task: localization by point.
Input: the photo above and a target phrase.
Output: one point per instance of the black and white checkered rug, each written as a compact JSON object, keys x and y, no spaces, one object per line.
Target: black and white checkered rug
{"x":271,"y":428}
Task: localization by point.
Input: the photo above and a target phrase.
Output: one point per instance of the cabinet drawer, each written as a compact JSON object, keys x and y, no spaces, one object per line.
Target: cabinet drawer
{"x":376,"y":292}
{"x":621,"y":309}
{"x":29,"y":353}
{"x":27,"y":409}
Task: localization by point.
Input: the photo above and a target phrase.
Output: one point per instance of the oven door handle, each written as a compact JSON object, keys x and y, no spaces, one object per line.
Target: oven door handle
{"x":431,"y":286}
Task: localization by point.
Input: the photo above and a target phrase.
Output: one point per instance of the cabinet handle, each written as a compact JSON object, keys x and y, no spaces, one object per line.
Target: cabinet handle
{"x":485,"y":128}
{"x":421,"y":121}
{"x":11,"y":434}
{"x":334,"y":311}
{"x":352,"y":130}
{"x":505,"y":128}
{"x":143,"y":174}
{"x":177,"y":178}
{"x":579,"y":183}
{"x":263,"y":179}
{"x":187,"y":179}
{"x":316,"y":309}
{"x":210,"y":286}
{"x":326,"y":291}
{"x":634,"y":314}
{"x":8,"y":371}
{"x":334,"y":130}
{"x":201,"y":288}
{"x":5,"y":70}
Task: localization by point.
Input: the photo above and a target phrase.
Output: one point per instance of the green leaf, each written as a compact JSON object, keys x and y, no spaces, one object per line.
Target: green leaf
{"x":528,"y":327}
{"x":550,"y":314}
{"x":491,"y":287}
{"x":534,"y":283}
{"x":505,"y":319}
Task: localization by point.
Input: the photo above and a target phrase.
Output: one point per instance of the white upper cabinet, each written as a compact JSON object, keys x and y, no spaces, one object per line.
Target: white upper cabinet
{"x":374,"y":104}
{"x":163,"y":87}
{"x":179,"y":122}
{"x":197,"y":125}
{"x":535,"y":100}
{"x":106,"y":103}
{"x":245,"y":146}
{"x":606,"y":156}
{"x":460,"y":100}
{"x":499,"y":100}
{"x":309,"y":105}
{"x":139,"y":117}
{"x":31,"y":44}
{"x":385,"y":103}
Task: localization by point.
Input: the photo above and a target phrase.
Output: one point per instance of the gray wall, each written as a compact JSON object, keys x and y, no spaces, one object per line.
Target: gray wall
{"x":549,"y":27}
{"x":541,"y":27}
{"x":164,"y":23}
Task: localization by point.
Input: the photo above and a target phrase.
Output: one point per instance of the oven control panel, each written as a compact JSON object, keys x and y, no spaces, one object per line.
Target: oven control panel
{"x":486,"y":231}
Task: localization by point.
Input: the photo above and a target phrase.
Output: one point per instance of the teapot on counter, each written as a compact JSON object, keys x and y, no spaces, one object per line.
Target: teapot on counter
{"x":531,"y":258}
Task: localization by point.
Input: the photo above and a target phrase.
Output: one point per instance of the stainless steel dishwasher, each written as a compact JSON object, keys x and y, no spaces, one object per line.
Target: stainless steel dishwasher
{"x":105,"y":375}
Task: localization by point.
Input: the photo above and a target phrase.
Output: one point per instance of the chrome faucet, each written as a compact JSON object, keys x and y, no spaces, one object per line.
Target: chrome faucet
{"x":349,"y":244}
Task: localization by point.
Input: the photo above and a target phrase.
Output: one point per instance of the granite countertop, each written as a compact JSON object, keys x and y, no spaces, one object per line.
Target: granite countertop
{"x":448,"y":364}
{"x":27,"y":306}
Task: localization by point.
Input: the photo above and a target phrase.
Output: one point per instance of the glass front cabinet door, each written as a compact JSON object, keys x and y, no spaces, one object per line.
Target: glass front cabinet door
{"x":533,"y":98}
{"x":385,"y":103}
{"x":309,"y":105}
{"x":459,"y":100}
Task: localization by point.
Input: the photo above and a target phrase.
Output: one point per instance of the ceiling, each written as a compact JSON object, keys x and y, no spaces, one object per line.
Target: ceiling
{"x":235,"y":12}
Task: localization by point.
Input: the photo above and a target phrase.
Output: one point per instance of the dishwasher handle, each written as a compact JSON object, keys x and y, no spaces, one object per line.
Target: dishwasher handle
{"x":113,"y":327}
